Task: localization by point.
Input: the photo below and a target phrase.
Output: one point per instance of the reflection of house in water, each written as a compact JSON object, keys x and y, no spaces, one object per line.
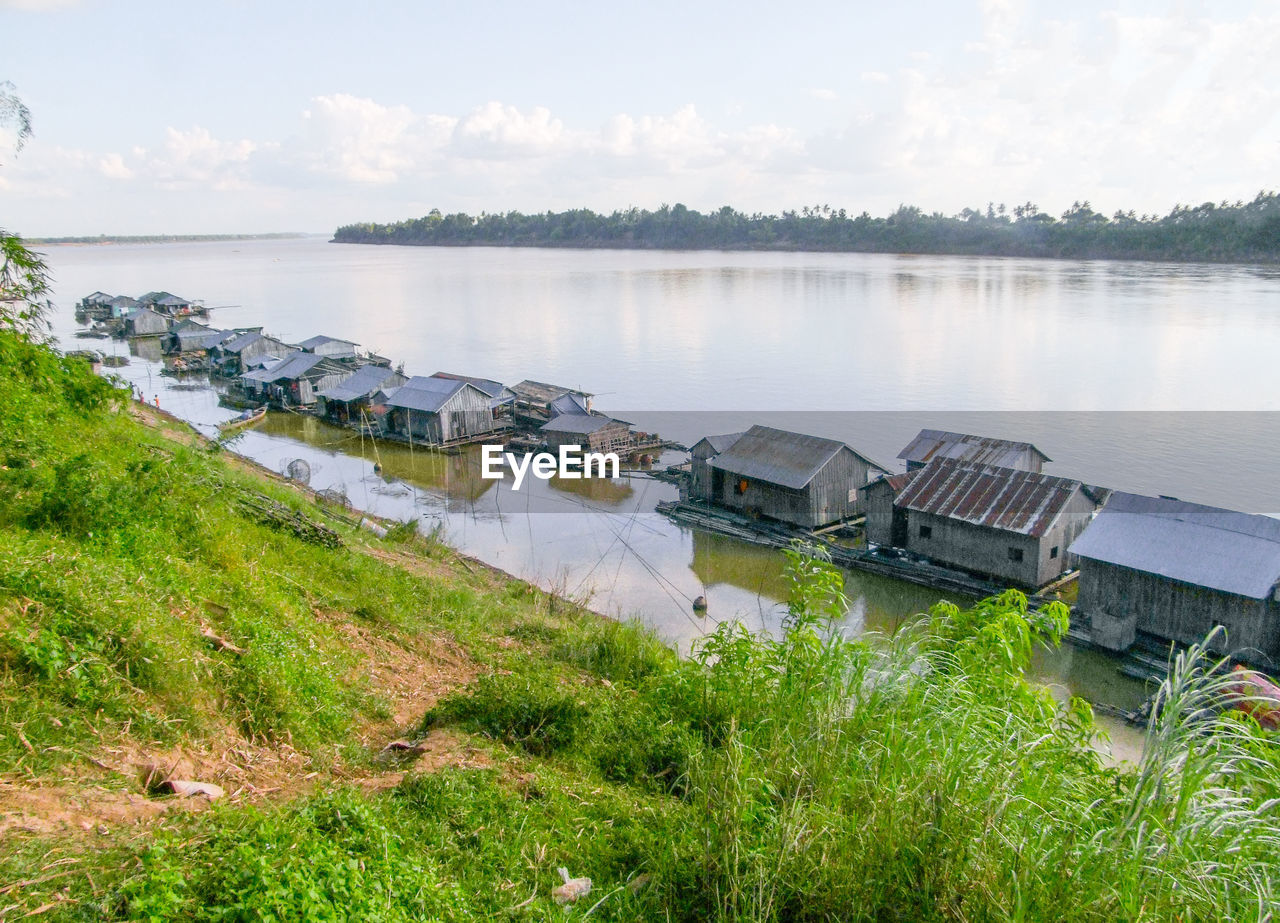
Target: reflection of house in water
{"x":720,"y":559}
{"x":597,"y":489}
{"x":454,"y":476}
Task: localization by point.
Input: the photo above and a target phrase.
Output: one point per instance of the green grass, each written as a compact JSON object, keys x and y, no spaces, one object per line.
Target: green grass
{"x":808,"y":777}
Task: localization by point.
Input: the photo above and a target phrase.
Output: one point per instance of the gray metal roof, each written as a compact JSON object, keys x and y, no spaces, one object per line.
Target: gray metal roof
{"x":578,"y":423}
{"x":539,"y":392}
{"x":779,"y":457}
{"x":240,"y":341}
{"x":290,"y":367}
{"x":1204,"y":546}
{"x":1008,"y":499}
{"x":570,"y":403}
{"x":363,"y":382}
{"x":719,"y":443}
{"x":422,"y":392}
{"x":982,"y":450}
{"x":321,"y":340}
{"x":487,"y":385}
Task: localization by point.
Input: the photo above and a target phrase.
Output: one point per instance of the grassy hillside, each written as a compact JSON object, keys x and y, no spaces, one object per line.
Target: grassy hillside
{"x":154,"y":621}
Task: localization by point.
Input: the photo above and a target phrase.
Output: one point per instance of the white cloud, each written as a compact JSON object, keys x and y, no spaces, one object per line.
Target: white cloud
{"x":1130,"y":111}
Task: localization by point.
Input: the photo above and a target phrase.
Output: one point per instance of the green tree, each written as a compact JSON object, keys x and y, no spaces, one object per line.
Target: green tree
{"x":24,"y":277}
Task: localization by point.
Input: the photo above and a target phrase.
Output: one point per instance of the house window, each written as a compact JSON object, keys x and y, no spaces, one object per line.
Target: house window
{"x":1053,"y":552}
{"x":1015,"y":554}
{"x":926,"y":531}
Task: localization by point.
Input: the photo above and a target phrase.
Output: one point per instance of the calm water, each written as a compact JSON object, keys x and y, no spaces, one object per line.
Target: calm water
{"x":1147,"y":377}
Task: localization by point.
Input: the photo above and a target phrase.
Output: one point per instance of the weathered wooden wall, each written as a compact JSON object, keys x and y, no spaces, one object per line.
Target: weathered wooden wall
{"x":1179,"y":611}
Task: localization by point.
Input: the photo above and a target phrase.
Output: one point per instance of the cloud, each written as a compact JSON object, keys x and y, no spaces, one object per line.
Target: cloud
{"x":1127,"y":110}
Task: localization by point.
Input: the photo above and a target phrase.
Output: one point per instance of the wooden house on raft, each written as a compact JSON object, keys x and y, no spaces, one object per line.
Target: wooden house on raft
{"x":1176,"y":571}
{"x":806,"y":481}
{"x":247,"y":350}
{"x":329,"y":347}
{"x":1001,"y":524}
{"x":591,"y":432}
{"x":435,"y":411}
{"x":144,"y":322}
{"x":351,"y":400}
{"x":886,"y":521}
{"x":294,"y":380}
{"x":705,"y":449}
{"x":533,"y":400}
{"x":930,"y":444}
{"x":501,"y":398}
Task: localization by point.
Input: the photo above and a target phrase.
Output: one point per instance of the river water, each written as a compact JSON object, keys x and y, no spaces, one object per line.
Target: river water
{"x":1155,"y":378}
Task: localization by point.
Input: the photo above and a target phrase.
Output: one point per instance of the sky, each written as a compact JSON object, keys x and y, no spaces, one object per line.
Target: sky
{"x":249,"y":117}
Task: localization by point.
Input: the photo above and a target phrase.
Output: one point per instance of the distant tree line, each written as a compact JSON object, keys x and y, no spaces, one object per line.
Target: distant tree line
{"x":1227,"y":232}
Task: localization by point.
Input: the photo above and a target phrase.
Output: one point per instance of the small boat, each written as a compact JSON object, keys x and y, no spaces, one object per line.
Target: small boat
{"x":248,"y":418}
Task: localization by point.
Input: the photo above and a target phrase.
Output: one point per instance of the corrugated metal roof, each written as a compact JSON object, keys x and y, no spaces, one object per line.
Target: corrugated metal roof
{"x":719,"y":443}
{"x":321,"y":340}
{"x":240,"y":341}
{"x":487,"y":385}
{"x":779,"y":457}
{"x":1008,"y":499}
{"x":1201,"y":545}
{"x":362,"y":383}
{"x":578,"y":423}
{"x":539,"y":392}
{"x":422,"y":392}
{"x":980,"y":450}
{"x":569,"y":403}
{"x":291,"y":366}
{"x":895,"y":482}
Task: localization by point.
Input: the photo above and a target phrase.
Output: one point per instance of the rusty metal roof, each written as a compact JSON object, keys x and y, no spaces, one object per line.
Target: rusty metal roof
{"x":980,"y":450}
{"x":895,"y":482}
{"x":1008,"y":499}
{"x":779,"y":457}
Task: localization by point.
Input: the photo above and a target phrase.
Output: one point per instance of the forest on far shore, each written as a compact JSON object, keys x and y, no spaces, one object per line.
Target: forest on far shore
{"x":1243,"y":232}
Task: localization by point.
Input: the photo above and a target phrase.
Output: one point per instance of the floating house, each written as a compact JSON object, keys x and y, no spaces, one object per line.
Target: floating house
{"x":705,"y":449}
{"x":1002,"y":524}
{"x":330,"y":347}
{"x":294,"y":380}
{"x":169,"y":304}
{"x":593,"y":432}
{"x":435,"y":411}
{"x":931,"y":444}
{"x":351,"y":400}
{"x":886,"y":521}
{"x":144,"y":322}
{"x":803,"y":480}
{"x":188,"y":336}
{"x":533,"y":399}
{"x":501,"y":398}
{"x":237,"y":355}
{"x":121,"y":305}
{"x":1176,"y":570}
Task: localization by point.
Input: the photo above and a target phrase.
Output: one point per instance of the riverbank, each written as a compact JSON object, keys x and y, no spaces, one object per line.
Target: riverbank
{"x":371,"y":727}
